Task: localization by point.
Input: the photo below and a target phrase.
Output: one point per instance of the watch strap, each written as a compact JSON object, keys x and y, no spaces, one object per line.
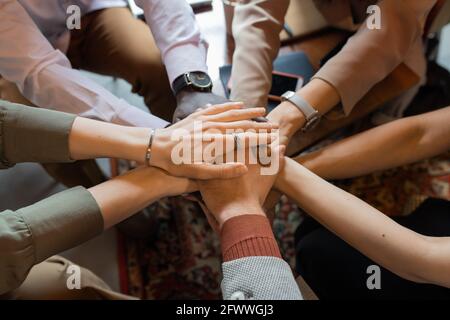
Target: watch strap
{"x":308,"y":111}
{"x":180,"y":83}
{"x":185,"y":80}
{"x":312,"y":116}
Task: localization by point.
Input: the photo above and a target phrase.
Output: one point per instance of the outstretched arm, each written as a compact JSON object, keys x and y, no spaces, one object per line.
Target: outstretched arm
{"x":256,"y":30}
{"x":45,"y":77}
{"x":408,"y":254}
{"x":39,"y":135}
{"x":253,"y":267}
{"x":377,"y":52}
{"x":397,"y":143}
{"x":32,"y":234}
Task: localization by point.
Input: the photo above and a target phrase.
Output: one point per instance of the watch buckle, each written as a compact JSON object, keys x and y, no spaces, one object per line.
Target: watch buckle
{"x":187,"y":79}
{"x":312,"y":122}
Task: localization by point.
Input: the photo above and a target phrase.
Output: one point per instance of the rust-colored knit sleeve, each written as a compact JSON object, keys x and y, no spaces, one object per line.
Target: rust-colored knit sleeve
{"x":247,"y":236}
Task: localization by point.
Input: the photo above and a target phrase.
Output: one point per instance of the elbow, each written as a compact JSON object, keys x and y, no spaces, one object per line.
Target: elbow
{"x":427,"y":268}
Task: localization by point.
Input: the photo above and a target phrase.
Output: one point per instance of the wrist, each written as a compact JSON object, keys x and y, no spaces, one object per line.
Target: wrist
{"x":185,"y":92}
{"x":136,"y":144}
{"x":237,"y":209}
{"x":160,"y":148}
{"x":155,"y":179}
{"x":289,"y":119}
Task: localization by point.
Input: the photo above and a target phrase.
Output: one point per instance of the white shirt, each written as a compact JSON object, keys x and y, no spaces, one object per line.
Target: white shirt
{"x":33,"y":34}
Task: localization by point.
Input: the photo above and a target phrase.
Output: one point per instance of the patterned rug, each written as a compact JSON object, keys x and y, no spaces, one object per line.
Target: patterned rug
{"x":184,"y":261}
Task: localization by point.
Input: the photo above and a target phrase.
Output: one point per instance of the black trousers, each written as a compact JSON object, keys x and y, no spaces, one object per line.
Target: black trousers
{"x":335,"y":270}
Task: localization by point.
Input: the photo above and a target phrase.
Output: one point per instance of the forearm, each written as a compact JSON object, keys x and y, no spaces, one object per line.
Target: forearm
{"x":58,"y":87}
{"x":125,"y":195}
{"x":39,"y":135}
{"x":256,"y":31}
{"x":398,"y":249}
{"x":45,"y":76}
{"x":388,"y":146}
{"x":318,"y":93}
{"x":177,"y":35}
{"x":34,"y":233}
{"x":95,"y":139}
{"x":372,"y":54}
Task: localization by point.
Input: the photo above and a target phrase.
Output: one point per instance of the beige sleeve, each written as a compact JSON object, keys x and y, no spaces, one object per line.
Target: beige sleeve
{"x":256,"y":29}
{"x":371,"y":55}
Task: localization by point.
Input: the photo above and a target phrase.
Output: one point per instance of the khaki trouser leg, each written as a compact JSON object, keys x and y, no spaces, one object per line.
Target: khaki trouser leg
{"x":113,"y":42}
{"x":48,"y":281}
{"x":10,"y":92}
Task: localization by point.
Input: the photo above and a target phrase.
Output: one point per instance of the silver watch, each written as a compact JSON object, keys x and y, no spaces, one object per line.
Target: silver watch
{"x":312,"y":116}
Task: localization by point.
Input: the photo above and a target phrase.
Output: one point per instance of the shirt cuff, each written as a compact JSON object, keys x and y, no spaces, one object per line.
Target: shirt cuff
{"x":62,"y":221}
{"x":187,"y":58}
{"x":248,"y":236}
{"x":135,"y":117}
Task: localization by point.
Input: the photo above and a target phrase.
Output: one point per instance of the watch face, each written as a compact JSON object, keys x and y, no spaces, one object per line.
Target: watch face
{"x":200,"y":79}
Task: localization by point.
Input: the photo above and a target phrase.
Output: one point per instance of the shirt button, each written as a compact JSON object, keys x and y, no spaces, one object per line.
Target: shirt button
{"x":238,"y":295}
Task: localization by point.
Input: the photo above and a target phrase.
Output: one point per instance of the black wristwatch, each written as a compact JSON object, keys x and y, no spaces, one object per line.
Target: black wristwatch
{"x":197,"y":81}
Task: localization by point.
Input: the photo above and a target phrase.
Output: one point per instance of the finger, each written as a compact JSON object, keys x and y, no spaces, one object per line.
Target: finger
{"x":235,"y":115}
{"x":208,"y":105}
{"x":241,"y":140}
{"x":242,"y":125}
{"x":219,"y":108}
{"x":207,"y":171}
{"x":261,"y":119}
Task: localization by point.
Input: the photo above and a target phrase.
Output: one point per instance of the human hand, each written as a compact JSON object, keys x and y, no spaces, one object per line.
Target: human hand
{"x":289,"y":120}
{"x":203,"y":129}
{"x":226,"y":199}
{"x":189,"y":101}
{"x":173,"y":186}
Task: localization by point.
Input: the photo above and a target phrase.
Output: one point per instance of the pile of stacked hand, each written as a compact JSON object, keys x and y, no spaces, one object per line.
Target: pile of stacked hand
{"x":225,"y":150}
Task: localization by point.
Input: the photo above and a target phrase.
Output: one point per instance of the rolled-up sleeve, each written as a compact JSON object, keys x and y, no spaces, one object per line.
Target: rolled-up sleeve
{"x":371,"y":55}
{"x":32,"y":234}
{"x":45,"y":76}
{"x":256,"y":29}
{"x":30,"y":134}
{"x":177,"y":35}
